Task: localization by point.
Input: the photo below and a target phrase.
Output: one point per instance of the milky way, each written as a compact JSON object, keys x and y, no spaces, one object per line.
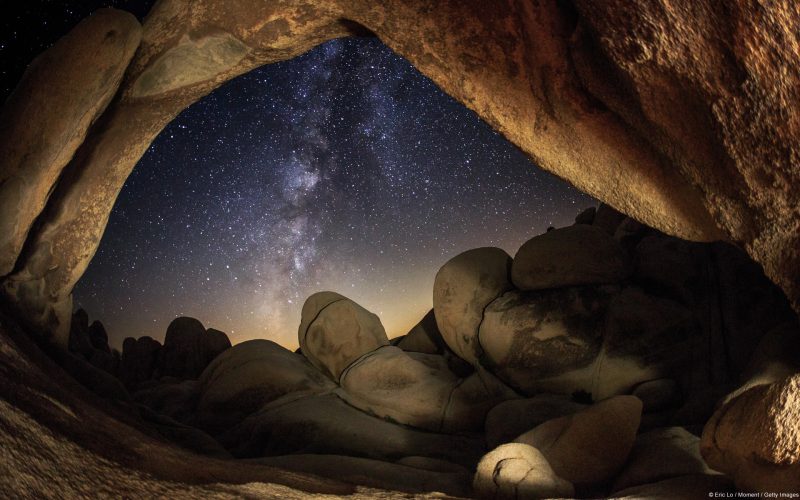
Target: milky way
{"x":343,"y":169}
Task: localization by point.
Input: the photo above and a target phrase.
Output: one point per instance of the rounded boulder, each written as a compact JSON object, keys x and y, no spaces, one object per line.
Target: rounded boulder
{"x":245,"y":377}
{"x":533,"y":340}
{"x":463,"y":288}
{"x":589,"y":447}
{"x":574,"y":255}
{"x":518,"y":471}
{"x":335,"y":331}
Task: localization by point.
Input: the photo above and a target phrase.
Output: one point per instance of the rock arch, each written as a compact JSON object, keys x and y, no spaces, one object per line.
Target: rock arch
{"x":682,"y":116}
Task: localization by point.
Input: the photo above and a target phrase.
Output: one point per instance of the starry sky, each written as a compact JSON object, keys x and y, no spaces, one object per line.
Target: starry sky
{"x":343,"y":169}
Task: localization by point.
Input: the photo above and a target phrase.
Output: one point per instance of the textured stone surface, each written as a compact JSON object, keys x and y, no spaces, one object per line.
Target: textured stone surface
{"x":375,"y":473}
{"x":419,"y":390}
{"x":694,"y":486}
{"x":46,"y":119}
{"x":574,"y":255}
{"x":509,"y":419}
{"x":647,"y":338}
{"x":755,"y":437}
{"x":325,"y":424}
{"x":518,"y":471}
{"x":472,"y":399}
{"x":667,"y":159}
{"x":463,"y":288}
{"x":662,"y":454}
{"x":590,"y":446}
{"x":714,"y":91}
{"x":534,"y":339}
{"x":55,"y":431}
{"x":335,"y":331}
{"x":247,"y":376}
{"x":407,"y":388}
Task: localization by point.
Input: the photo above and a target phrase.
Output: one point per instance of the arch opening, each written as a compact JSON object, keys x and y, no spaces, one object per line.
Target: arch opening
{"x":343,"y":169}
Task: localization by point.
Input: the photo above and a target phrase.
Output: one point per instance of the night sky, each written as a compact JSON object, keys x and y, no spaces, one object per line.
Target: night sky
{"x":343,"y":169}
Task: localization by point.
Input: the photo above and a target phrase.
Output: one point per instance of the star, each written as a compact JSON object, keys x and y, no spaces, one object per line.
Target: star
{"x":342,"y":169}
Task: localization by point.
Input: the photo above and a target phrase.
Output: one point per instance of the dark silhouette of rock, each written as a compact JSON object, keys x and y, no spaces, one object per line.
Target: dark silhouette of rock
{"x":658,"y":395}
{"x":214,"y":343}
{"x":630,"y":232}
{"x":249,"y":375}
{"x":90,"y":376}
{"x":90,"y":342}
{"x":586,"y":217}
{"x":510,"y":419}
{"x":574,"y":255}
{"x":750,"y":304}
{"x":174,"y":399}
{"x":98,"y":336}
{"x":189,"y":348}
{"x":608,"y":219}
{"x":79,"y":340}
{"x":662,"y":454}
{"x":325,"y":424}
{"x":108,"y":361}
{"x":139,"y":360}
{"x":424,"y":337}
{"x":185,"y":436}
{"x":671,"y":268}
{"x":375,"y":473}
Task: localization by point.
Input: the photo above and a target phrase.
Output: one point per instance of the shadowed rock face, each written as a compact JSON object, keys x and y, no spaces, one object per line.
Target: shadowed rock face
{"x":42,"y":124}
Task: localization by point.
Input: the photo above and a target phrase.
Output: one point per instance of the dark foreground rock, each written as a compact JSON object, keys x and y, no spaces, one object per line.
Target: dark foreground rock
{"x":324,"y":424}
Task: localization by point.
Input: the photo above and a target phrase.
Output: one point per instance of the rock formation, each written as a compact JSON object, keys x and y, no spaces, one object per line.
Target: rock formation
{"x":518,"y":471}
{"x":667,"y":161}
{"x":587,"y":387}
{"x":684,"y":117}
{"x":189,"y":348}
{"x":62,"y":94}
{"x":582,"y":254}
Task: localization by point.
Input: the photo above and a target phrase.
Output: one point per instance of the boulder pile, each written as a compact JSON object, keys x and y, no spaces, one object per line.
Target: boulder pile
{"x":588,"y":364}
